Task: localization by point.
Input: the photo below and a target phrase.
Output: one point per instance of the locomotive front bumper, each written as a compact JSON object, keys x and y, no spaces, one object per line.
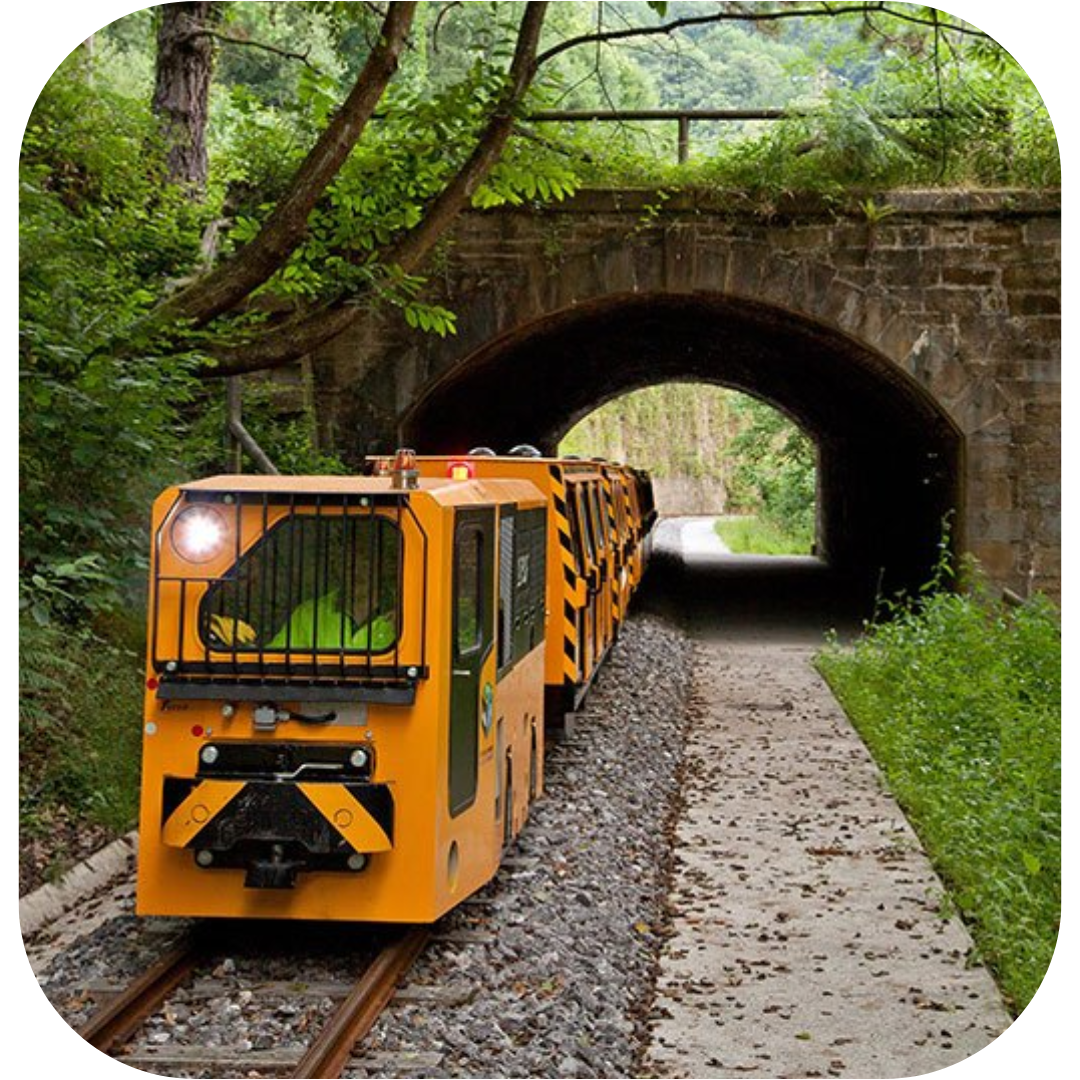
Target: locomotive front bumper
{"x":276,"y":813}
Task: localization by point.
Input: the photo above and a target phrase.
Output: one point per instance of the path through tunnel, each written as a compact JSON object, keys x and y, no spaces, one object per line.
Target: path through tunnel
{"x":889,"y":459}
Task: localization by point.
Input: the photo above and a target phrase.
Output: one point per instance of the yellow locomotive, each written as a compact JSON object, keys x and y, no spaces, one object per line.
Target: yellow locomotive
{"x":346,"y":677}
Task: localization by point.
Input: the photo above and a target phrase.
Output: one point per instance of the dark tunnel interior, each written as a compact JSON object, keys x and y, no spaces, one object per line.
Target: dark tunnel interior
{"x":889,"y":460}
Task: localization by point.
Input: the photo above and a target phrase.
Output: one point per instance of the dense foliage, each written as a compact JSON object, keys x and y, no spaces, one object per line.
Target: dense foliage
{"x":959,"y":698}
{"x":774,"y":472}
{"x":79,"y":749}
{"x":98,"y":239}
{"x":873,"y":104}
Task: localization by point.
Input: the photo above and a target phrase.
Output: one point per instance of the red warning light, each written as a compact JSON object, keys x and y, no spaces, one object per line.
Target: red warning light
{"x":460,"y":470}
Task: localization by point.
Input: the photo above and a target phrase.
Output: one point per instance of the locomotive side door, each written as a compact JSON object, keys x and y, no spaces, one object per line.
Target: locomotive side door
{"x":473,"y":636}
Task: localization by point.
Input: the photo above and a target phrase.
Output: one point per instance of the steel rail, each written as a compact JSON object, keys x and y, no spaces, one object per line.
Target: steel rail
{"x":328,"y":1054}
{"x":120,"y":1018}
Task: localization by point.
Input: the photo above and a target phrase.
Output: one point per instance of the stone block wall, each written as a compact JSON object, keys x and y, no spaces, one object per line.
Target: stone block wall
{"x":953,"y":299}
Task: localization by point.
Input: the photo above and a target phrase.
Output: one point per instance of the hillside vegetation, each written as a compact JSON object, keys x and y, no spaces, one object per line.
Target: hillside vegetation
{"x":745,"y":457}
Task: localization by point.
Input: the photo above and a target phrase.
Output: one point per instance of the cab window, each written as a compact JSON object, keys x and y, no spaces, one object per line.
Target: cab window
{"x":313,"y":583}
{"x":468,"y":597}
{"x":598,"y":517}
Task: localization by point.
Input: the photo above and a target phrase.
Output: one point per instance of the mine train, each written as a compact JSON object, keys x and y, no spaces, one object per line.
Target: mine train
{"x":349,"y":679}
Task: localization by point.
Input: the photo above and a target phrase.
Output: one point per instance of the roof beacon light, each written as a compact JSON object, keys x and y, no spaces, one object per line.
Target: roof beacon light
{"x":405,"y":476}
{"x":381,"y":467}
{"x":460,"y":470}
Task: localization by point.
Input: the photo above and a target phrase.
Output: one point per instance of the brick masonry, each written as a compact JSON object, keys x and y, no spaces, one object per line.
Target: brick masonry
{"x":953,"y":296}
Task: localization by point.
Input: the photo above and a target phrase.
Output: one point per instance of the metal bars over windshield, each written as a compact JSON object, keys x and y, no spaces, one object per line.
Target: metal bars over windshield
{"x":315,"y":589}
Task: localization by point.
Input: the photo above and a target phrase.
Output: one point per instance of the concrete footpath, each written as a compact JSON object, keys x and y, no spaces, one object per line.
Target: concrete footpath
{"x":807,"y":934}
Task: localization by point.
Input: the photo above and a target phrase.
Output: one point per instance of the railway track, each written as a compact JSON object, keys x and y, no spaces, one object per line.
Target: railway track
{"x":113,"y":1027}
{"x":115,"y":1022}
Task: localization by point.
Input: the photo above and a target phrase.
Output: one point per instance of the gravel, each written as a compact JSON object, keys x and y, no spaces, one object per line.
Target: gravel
{"x":547,"y":972}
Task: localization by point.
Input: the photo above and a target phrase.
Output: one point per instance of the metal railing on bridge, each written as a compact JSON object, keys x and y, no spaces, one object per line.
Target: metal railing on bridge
{"x":685,"y":117}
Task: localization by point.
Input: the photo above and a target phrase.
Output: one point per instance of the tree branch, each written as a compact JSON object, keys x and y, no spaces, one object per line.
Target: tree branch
{"x":416,"y":243}
{"x":288,"y":341}
{"x":231,"y":282}
{"x":312,"y":328}
{"x":230,"y":39}
{"x":823,"y":11}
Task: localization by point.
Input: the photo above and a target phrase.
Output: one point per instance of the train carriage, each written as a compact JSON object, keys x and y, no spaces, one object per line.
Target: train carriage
{"x":344,"y":697}
{"x":597,"y":541}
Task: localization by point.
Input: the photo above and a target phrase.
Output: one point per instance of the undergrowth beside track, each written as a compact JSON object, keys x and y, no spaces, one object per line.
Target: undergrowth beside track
{"x":80,"y":709}
{"x":958,"y":697}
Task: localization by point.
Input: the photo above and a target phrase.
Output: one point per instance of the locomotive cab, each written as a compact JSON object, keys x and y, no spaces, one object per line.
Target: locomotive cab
{"x":344,"y":697}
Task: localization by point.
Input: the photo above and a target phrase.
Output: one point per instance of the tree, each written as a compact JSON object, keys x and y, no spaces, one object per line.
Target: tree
{"x":222,"y":289}
{"x":185,"y":66}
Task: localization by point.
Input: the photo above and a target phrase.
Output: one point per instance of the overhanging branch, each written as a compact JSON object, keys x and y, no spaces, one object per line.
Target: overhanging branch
{"x":313,"y":327}
{"x":226,"y":286}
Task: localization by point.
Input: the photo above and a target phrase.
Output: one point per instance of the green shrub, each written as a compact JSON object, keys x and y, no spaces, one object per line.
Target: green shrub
{"x":750,"y":535}
{"x":80,"y":709}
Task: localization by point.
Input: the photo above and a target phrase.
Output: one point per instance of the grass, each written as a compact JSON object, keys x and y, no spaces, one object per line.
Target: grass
{"x":80,"y":709}
{"x":959,"y":699}
{"x":750,"y":535}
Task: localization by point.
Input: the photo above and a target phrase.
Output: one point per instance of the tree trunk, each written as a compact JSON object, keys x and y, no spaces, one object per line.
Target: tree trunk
{"x":185,"y":65}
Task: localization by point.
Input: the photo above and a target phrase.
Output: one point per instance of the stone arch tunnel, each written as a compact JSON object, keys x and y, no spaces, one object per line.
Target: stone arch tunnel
{"x":889,"y":459}
{"x":922,"y":353}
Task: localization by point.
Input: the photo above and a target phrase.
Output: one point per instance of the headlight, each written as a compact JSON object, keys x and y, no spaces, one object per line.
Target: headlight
{"x":198,"y":534}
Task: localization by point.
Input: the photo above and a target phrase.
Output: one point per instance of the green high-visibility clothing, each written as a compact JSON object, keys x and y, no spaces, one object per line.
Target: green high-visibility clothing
{"x":321,"y":624}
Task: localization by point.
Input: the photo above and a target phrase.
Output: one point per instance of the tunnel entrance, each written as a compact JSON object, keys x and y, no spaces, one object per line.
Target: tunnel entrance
{"x":745,"y":468}
{"x":889,"y":459}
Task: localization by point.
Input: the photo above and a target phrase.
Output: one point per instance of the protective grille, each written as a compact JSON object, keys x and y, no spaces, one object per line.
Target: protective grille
{"x":314,"y":588}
